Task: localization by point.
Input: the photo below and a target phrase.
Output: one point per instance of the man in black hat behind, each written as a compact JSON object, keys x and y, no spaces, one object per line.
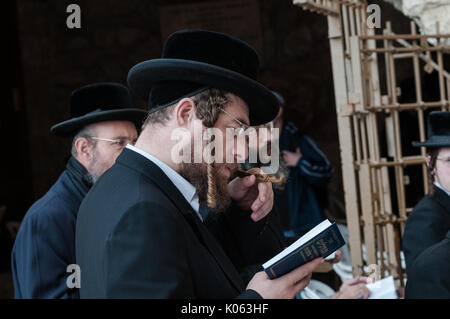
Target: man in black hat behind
{"x":140,"y":230}
{"x":102,"y":123}
{"x":429,"y":221}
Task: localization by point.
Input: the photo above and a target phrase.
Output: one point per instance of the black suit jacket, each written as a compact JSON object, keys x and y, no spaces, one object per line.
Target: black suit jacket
{"x":137,"y":237}
{"x":429,"y":274}
{"x":427,"y":225}
{"x":248,"y":244}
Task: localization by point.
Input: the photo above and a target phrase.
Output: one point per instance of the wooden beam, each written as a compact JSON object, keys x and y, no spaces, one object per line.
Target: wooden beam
{"x":345,"y":143}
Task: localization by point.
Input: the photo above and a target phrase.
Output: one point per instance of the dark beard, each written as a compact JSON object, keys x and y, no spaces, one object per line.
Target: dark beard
{"x":197,"y":175}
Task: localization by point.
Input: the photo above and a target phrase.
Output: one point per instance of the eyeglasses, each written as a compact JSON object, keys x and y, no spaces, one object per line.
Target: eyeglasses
{"x":120,"y":142}
{"x":445,"y":160}
{"x":243,"y":127}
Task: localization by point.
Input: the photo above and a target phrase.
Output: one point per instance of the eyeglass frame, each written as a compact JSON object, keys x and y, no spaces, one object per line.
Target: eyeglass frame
{"x":115,"y":141}
{"x":243,"y":127}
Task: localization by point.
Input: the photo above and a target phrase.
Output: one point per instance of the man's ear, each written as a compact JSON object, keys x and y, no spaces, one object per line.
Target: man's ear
{"x":185,"y":112}
{"x":428,"y":160}
{"x":84,"y":150}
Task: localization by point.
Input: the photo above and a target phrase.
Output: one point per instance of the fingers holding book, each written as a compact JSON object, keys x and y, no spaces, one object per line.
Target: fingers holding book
{"x":303,"y":274}
{"x":286,"y":286}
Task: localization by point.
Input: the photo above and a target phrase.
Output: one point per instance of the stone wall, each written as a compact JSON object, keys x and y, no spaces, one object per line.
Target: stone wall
{"x":426,"y":14}
{"x":114,"y":36}
{"x":117,"y":34}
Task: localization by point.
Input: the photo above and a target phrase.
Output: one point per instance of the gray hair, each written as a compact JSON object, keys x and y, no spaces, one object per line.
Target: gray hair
{"x":84,"y":132}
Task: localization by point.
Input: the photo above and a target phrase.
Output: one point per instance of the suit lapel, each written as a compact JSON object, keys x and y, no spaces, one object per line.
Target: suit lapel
{"x":210,"y":242}
{"x":138,"y":162}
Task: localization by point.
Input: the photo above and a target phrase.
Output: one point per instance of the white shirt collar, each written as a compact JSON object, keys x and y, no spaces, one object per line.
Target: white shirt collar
{"x":436,"y":183}
{"x":187,"y":189}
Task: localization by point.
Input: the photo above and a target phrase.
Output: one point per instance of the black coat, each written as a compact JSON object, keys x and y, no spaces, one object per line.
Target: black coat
{"x":427,"y":225}
{"x":137,"y":237}
{"x":45,"y":244}
{"x":248,"y":244}
{"x":429,"y":274}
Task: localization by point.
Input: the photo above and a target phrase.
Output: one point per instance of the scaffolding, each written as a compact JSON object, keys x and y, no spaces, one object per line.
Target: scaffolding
{"x":376,"y":207}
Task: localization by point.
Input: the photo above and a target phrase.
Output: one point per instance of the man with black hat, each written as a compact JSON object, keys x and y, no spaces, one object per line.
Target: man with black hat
{"x":149,"y":241}
{"x":102,"y":123}
{"x":429,"y":221}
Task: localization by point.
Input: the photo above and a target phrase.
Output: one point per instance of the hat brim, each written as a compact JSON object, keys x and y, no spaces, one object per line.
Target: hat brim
{"x":69,"y":127}
{"x":263,"y":105}
{"x":434,"y":142}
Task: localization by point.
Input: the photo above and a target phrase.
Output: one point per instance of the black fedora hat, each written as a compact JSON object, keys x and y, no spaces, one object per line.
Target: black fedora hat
{"x":438,"y":131}
{"x":194,"y":60}
{"x":99,"y":102}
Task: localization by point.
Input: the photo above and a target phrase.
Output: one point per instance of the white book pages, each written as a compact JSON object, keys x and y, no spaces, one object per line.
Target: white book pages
{"x":383,"y":289}
{"x":299,"y":242}
{"x":331,"y":256}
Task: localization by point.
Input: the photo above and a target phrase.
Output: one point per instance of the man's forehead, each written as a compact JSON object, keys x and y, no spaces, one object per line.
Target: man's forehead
{"x":445,"y":151}
{"x":115,"y":127}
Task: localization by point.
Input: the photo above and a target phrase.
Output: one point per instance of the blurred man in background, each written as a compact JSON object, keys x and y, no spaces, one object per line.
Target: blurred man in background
{"x":301,"y":204}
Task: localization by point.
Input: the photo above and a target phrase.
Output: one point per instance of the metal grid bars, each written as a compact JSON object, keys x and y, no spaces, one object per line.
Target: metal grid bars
{"x":385,"y":210}
{"x":372,"y":135}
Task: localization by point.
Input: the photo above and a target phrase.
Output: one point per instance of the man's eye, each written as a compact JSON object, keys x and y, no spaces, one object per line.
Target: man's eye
{"x":120,"y":143}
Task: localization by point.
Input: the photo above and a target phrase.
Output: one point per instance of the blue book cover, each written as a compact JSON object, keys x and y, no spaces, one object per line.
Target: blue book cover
{"x":321,"y":241}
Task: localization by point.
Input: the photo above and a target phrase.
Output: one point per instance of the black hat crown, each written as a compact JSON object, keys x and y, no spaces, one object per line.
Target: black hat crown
{"x":99,"y":97}
{"x":213,"y":48}
{"x":206,"y":47}
{"x":99,"y":102}
{"x":194,"y":60}
{"x":438,"y":130}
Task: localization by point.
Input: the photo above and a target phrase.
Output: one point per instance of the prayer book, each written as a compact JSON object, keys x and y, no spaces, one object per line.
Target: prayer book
{"x":321,"y":241}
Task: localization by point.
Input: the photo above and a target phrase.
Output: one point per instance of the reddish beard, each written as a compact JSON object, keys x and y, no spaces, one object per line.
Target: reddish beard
{"x":197,"y":175}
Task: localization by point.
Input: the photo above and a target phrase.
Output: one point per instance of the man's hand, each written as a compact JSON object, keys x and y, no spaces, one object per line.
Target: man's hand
{"x":337,"y":257}
{"x":353,"y":289}
{"x":286,"y":286}
{"x":250,"y":195}
{"x":291,"y":158}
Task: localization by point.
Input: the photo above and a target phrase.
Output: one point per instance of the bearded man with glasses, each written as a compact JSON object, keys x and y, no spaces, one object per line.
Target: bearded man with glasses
{"x":102,"y":123}
{"x":154,"y":241}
